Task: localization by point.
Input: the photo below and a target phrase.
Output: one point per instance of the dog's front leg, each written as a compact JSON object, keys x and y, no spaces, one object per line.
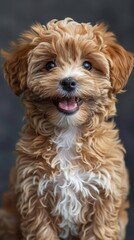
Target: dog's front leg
{"x":36,"y":222}
{"x":105,"y":221}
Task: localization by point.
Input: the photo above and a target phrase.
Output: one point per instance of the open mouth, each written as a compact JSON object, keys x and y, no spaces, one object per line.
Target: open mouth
{"x":67,"y":105}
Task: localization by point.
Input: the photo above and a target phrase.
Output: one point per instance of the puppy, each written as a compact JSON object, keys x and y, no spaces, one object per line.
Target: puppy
{"x":70,"y":179}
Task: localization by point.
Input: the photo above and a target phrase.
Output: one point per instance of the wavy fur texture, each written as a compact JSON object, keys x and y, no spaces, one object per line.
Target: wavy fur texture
{"x":70,"y":179}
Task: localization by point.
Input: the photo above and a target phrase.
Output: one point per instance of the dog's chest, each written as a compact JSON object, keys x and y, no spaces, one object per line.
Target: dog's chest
{"x":69,"y":184}
{"x":66,"y":184}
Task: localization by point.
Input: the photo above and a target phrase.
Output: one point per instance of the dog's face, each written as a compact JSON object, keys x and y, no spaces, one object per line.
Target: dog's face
{"x":70,"y":71}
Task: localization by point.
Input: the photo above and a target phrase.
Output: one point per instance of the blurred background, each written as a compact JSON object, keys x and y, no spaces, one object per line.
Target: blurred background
{"x":15,"y":17}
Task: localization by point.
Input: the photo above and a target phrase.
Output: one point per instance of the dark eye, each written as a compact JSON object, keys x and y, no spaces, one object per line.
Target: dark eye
{"x":50,"y":65}
{"x":87,"y":65}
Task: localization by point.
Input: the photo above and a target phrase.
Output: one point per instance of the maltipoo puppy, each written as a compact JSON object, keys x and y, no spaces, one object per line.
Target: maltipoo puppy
{"x":70,"y":179}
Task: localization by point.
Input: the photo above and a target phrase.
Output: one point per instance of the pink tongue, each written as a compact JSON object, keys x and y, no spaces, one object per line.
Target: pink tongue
{"x":67,"y":104}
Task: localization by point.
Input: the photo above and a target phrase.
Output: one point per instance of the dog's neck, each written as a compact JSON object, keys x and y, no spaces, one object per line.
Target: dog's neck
{"x":65,"y":143}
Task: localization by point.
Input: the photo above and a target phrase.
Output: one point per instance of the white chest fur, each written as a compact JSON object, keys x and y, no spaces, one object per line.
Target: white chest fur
{"x":69,"y":182}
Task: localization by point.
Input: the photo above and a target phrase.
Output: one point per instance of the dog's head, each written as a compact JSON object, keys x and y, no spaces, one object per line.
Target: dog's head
{"x":71,"y":71}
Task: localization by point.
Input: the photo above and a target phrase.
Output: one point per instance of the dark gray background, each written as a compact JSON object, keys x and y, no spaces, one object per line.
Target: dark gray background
{"x":15,"y":17}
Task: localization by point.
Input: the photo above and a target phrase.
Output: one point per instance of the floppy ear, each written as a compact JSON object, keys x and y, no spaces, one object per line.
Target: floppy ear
{"x":121,"y":65}
{"x":15,"y":67}
{"x":121,"y":62}
{"x":16,"y":61}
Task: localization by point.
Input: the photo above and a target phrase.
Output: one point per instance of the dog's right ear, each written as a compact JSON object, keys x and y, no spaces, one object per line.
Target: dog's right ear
{"x":15,"y":67}
{"x":16,"y":60}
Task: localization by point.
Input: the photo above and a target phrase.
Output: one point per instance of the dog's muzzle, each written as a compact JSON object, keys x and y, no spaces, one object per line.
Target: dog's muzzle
{"x":69,"y":103}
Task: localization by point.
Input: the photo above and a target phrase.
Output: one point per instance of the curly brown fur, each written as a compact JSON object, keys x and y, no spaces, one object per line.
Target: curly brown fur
{"x":70,"y":179}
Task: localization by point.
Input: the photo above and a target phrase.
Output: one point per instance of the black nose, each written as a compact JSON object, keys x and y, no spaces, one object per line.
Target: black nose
{"x":68,"y":84}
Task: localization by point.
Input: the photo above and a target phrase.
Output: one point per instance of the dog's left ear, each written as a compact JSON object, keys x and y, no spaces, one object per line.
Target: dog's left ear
{"x":121,"y":65}
{"x":121,"y":62}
